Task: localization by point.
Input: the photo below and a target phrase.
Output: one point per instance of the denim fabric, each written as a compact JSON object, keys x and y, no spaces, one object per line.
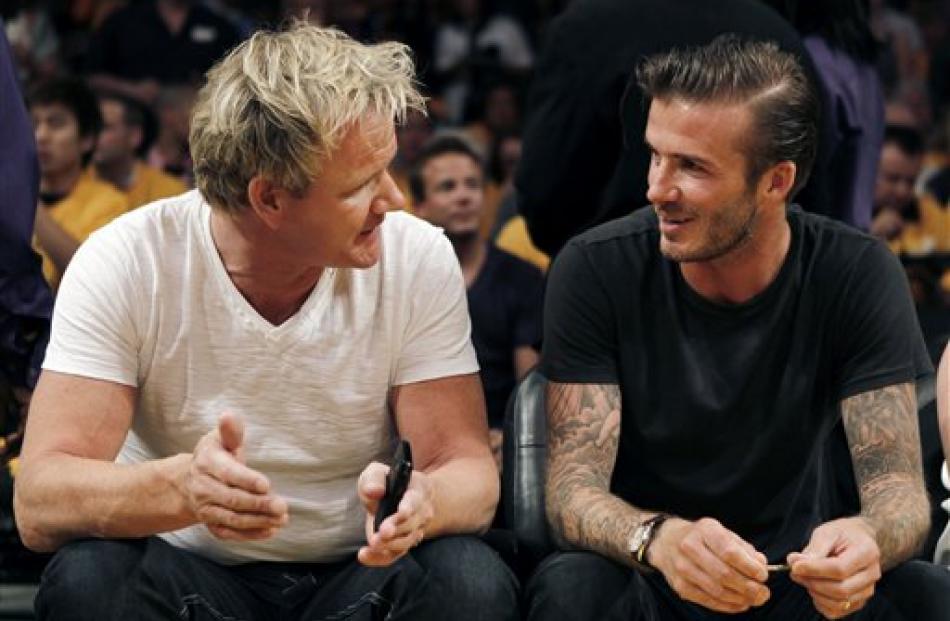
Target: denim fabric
{"x":458,"y":578}
{"x":581,"y":586}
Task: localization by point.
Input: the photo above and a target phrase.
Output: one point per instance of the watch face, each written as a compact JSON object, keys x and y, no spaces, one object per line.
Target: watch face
{"x":639,"y":537}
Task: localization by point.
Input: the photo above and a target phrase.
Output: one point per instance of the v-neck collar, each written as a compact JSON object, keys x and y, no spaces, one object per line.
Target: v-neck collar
{"x":313,"y":306}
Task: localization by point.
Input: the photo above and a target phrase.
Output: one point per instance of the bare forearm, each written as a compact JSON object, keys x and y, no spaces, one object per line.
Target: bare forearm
{"x":55,"y":242}
{"x":465,"y":493}
{"x":61,"y":498}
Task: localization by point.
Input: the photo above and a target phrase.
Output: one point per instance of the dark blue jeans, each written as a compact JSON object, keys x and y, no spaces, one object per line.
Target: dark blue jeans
{"x":458,"y":578}
{"x":581,"y":586}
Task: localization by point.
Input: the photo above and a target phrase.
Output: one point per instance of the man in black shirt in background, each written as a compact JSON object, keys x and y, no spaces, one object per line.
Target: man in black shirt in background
{"x":699,"y":355}
{"x":504,"y":293}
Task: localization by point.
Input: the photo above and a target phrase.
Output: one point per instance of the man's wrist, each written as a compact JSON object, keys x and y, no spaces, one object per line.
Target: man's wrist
{"x":657,"y":553}
{"x":643,"y":538}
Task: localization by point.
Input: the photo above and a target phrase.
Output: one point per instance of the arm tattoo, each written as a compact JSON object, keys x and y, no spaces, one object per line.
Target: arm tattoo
{"x":583,"y":436}
{"x":881,"y":426}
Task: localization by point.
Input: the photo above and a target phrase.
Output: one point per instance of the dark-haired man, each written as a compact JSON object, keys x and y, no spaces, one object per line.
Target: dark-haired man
{"x":66,"y":121}
{"x":701,"y":352}
{"x":117,"y":157}
{"x":504,"y":293}
{"x":895,"y":204}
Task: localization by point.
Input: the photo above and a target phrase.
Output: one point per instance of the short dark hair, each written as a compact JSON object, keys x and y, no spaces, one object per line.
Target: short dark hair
{"x":134,"y":114}
{"x":440,"y":145}
{"x":76,"y":96}
{"x":907,"y":139}
{"x":784,"y":104}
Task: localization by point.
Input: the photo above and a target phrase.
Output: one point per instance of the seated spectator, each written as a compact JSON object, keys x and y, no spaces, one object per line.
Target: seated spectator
{"x":170,"y":152}
{"x":701,"y":352}
{"x":145,"y":45}
{"x":504,"y":293}
{"x":116,"y":159}
{"x":72,"y":205}
{"x":217,"y":450}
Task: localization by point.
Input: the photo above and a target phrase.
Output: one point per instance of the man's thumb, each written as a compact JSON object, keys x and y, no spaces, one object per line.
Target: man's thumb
{"x":231,"y":430}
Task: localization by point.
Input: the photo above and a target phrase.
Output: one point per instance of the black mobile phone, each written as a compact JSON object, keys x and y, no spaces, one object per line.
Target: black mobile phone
{"x":396,"y":483}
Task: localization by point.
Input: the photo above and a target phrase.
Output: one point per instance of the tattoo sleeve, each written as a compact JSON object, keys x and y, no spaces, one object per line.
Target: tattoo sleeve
{"x":583,"y":435}
{"x":881,"y":426}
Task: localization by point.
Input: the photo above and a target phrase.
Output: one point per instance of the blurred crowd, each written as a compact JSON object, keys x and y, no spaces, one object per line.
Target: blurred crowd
{"x":144,"y":59}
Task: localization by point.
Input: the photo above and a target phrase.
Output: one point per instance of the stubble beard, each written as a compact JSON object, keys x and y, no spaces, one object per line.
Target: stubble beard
{"x":728,"y":231}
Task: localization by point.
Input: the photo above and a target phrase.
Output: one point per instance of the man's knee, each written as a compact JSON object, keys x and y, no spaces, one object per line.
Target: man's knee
{"x":916,"y":590}
{"x":84,"y":578}
{"x":576,"y":585}
{"x":471,"y":577}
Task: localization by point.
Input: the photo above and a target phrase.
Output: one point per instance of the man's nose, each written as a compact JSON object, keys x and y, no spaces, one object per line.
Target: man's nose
{"x":661,"y":189}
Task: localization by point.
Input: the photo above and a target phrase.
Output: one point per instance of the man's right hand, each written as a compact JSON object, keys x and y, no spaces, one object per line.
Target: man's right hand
{"x":232,"y":500}
{"x":707,"y":564}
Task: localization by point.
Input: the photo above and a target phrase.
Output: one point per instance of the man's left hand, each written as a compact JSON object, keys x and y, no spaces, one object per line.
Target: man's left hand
{"x":839,"y":567}
{"x":400,"y":531}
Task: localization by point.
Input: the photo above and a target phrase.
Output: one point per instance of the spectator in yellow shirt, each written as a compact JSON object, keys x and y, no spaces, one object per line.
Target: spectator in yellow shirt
{"x":123,"y":139}
{"x":72,"y":204}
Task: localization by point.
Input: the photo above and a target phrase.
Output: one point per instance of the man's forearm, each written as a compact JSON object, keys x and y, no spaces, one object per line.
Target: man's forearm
{"x":62,"y":498}
{"x":59,"y":245}
{"x":881,"y":426}
{"x":899,"y":513}
{"x":465,"y":495}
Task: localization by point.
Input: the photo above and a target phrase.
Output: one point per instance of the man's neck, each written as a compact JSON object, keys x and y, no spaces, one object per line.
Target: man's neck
{"x":471,"y":251}
{"x":120,"y":173}
{"x":745,"y":272}
{"x":60,"y":183}
{"x":274,"y":284}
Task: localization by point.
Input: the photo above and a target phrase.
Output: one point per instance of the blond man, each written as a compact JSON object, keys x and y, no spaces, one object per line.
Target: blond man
{"x":230,"y":369}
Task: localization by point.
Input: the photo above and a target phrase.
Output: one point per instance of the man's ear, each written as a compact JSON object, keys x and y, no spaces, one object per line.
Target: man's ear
{"x":264,"y":198}
{"x":777,"y":181}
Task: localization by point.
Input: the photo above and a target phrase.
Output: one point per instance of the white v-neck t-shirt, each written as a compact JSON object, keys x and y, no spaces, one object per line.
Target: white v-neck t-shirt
{"x":146,"y":302}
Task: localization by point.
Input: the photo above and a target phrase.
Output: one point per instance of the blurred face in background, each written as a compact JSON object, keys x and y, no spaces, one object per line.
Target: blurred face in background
{"x":454,"y":194}
{"x":412,"y":135}
{"x":58,"y":143}
{"x":118,"y":140}
{"x":896,"y":175}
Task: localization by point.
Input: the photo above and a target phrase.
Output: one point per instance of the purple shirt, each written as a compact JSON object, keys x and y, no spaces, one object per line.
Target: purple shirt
{"x":25,"y":299}
{"x":856,"y":122}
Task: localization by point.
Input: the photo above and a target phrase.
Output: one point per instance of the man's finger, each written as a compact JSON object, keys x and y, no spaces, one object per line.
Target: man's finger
{"x":223,"y":466}
{"x":231,"y":432}
{"x":217,"y":515}
{"x":213,"y":491}
{"x":231,"y":534}
{"x":371,"y":485}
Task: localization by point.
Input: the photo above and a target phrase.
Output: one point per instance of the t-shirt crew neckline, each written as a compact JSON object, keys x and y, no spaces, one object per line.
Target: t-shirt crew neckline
{"x":239,"y":305}
{"x":742,"y":310}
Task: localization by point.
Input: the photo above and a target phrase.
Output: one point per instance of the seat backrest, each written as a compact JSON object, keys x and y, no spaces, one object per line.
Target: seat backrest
{"x":523,"y":471}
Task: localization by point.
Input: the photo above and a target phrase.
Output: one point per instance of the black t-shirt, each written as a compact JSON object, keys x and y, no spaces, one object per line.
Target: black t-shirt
{"x":727,"y":408}
{"x":505,"y":306}
{"x":134,"y":43}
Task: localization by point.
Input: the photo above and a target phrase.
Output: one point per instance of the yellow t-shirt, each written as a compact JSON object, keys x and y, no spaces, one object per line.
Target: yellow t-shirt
{"x":513,"y":238}
{"x":148,"y":184}
{"x":91,"y":205}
